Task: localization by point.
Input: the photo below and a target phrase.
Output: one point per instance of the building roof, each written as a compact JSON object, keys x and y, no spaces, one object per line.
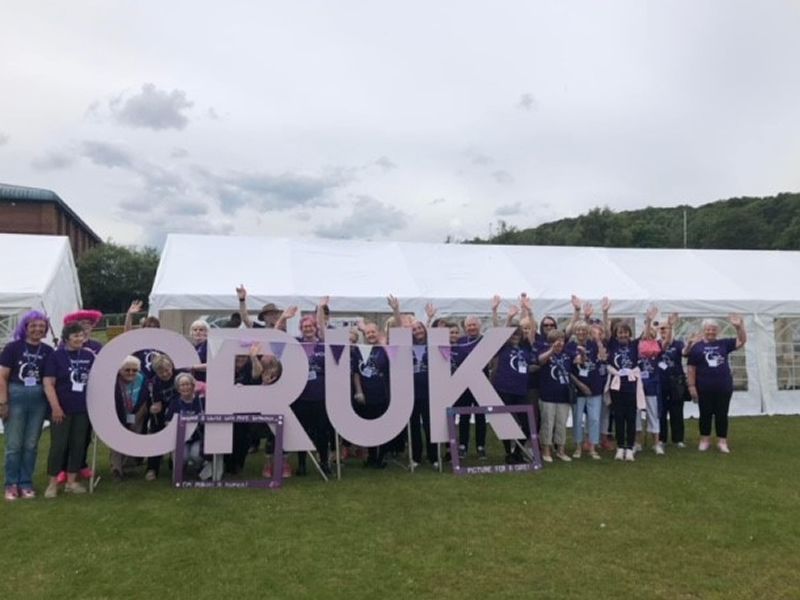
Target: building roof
{"x":32,"y":194}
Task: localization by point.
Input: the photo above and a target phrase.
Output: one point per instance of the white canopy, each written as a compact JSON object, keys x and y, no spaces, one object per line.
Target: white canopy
{"x":37,"y":272}
{"x":200,"y":273}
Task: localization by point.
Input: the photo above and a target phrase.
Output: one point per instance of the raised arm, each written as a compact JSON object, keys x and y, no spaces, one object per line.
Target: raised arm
{"x":605,"y":306}
{"x":394,"y":304}
{"x":513,"y":311}
{"x":495,"y":307}
{"x":322,"y":320}
{"x":526,"y":306}
{"x":256,"y":368}
{"x":134,"y":308}
{"x":287,"y":314}
{"x":649,"y":315}
{"x":430,"y":311}
{"x":242,"y":294}
{"x":576,"y":314}
{"x":741,"y":334}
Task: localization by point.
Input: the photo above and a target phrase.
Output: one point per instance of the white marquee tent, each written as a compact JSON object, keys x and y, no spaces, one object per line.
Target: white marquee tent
{"x":198,"y":275}
{"x":37,"y":272}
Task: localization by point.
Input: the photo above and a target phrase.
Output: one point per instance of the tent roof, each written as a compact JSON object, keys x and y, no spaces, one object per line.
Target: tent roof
{"x":38,"y":272}
{"x":201,"y":273}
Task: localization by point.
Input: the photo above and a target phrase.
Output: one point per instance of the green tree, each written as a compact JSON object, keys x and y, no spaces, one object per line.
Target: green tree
{"x":112,"y":275}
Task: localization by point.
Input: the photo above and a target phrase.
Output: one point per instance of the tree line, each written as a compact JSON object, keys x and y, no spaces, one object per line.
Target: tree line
{"x":769,"y":223}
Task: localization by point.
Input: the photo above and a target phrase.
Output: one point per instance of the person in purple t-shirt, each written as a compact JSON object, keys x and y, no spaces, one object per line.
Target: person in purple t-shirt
{"x":472,"y":328}
{"x":510,"y":369}
{"x":589,"y":376}
{"x":66,"y":373}
{"x":371,"y":384}
{"x":710,"y":379}
{"x":145,"y":355}
{"x":554,"y":390}
{"x":673,"y":384}
{"x":23,"y":405}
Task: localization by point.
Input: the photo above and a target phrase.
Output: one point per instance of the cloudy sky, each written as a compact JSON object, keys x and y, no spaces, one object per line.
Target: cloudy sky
{"x":403,"y":120}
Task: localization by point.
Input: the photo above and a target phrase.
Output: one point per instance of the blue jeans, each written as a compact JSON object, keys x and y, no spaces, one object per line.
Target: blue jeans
{"x":27,"y":407}
{"x":593,"y":404}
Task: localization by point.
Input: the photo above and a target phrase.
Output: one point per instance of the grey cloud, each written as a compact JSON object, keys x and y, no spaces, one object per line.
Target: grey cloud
{"x":509,"y":210}
{"x":185,"y":208}
{"x":527,"y":102}
{"x":53,"y":161}
{"x":3,"y":139}
{"x":212,"y":114}
{"x":265,"y":191}
{"x":385,"y":163}
{"x":107,"y":155}
{"x":179,"y":153}
{"x":368,"y":218}
{"x":477,"y":158}
{"x":501,"y":176}
{"x":152,"y":108}
{"x":157,"y":228}
{"x":436,"y":201}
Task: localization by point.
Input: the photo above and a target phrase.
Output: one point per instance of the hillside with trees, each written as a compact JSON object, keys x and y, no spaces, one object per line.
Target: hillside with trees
{"x":771,"y":223}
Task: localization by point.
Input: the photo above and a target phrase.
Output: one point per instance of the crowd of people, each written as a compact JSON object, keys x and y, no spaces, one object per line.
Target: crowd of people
{"x":591,"y":369}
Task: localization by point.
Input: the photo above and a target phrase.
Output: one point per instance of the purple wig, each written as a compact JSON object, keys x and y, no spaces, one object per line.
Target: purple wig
{"x":21,"y":332}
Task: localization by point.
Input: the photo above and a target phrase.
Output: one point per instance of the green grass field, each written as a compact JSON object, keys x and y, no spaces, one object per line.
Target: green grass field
{"x":687,"y":525}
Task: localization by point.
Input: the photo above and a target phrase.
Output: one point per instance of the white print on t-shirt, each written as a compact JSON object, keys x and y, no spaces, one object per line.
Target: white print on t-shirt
{"x":713,"y":358}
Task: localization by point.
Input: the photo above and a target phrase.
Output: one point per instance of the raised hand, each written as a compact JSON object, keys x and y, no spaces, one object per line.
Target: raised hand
{"x":525,"y":302}
{"x":736,"y":320}
{"x":135,"y":307}
{"x":576,"y":302}
{"x":588,"y":310}
{"x":289,"y":313}
{"x":672,"y":320}
{"x":513,"y":311}
{"x":430,"y":310}
{"x":495,"y":302}
{"x":393,"y":302}
{"x":255,"y":349}
{"x":241,"y":292}
{"x":652,"y":311}
{"x":324,"y":301}
{"x":605,"y":304}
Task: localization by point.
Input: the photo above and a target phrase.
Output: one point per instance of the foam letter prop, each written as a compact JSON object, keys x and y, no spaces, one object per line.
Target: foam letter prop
{"x":369,"y":432}
{"x":445,"y":389}
{"x":102,"y":385}
{"x":223,"y":397}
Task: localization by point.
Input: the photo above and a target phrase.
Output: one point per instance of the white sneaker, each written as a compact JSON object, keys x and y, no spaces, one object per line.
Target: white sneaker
{"x":620,"y":455}
{"x":630,"y":455}
{"x":547,"y":458}
{"x":703,"y":445}
{"x":51,"y":491}
{"x":564,"y":457}
{"x":681,"y":445}
{"x":722,"y":446}
{"x":577,"y":453}
{"x":659,"y":449}
{"x":636,"y":448}
{"x":205,"y":472}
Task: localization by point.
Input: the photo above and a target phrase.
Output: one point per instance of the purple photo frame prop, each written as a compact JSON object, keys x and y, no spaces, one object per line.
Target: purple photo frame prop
{"x":533,"y":438}
{"x":180,"y":448}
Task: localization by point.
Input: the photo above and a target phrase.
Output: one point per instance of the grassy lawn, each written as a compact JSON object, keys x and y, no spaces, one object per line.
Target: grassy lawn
{"x":687,"y":525}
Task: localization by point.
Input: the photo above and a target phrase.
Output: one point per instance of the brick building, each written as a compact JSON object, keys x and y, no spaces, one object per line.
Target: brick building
{"x":39,"y":211}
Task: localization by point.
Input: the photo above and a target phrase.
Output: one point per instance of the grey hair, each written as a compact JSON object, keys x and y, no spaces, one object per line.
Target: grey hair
{"x":182,"y":376}
{"x":472,"y":318}
{"x":131,"y":361}
{"x":200,"y":323}
{"x":710,"y":323}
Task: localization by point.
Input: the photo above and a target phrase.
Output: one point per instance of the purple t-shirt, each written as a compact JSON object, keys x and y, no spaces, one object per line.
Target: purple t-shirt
{"x":202,"y":352}
{"x":511,"y":376}
{"x":650,"y":377}
{"x":554,"y":379}
{"x":71,"y":371}
{"x":315,"y":385}
{"x":624,"y":357}
{"x":592,"y":372}
{"x":713,"y":370}
{"x":25,"y":361}
{"x":374,"y":372}
{"x":671,"y":363}
{"x":146,"y":359}
{"x":465,"y":345}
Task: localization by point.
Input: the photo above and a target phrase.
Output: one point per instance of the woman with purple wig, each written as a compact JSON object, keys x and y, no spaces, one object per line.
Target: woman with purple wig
{"x":22,"y":402}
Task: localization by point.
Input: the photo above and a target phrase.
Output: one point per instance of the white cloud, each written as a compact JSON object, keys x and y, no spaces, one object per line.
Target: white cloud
{"x":369,"y":218}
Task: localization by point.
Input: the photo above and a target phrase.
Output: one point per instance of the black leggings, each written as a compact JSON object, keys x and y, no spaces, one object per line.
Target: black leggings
{"x":671,"y":415}
{"x":314,"y":419}
{"x":421,"y":420}
{"x":714,"y":406}
{"x":520,"y":418}
{"x":624,"y":406}
{"x":463,"y":423}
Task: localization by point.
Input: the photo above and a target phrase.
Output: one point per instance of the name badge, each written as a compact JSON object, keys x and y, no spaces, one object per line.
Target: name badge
{"x":663,"y":366}
{"x":29,"y":381}
{"x":130,"y":419}
{"x":77,"y":386}
{"x":312,"y":375}
{"x":522,"y":366}
{"x":583,"y":372}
